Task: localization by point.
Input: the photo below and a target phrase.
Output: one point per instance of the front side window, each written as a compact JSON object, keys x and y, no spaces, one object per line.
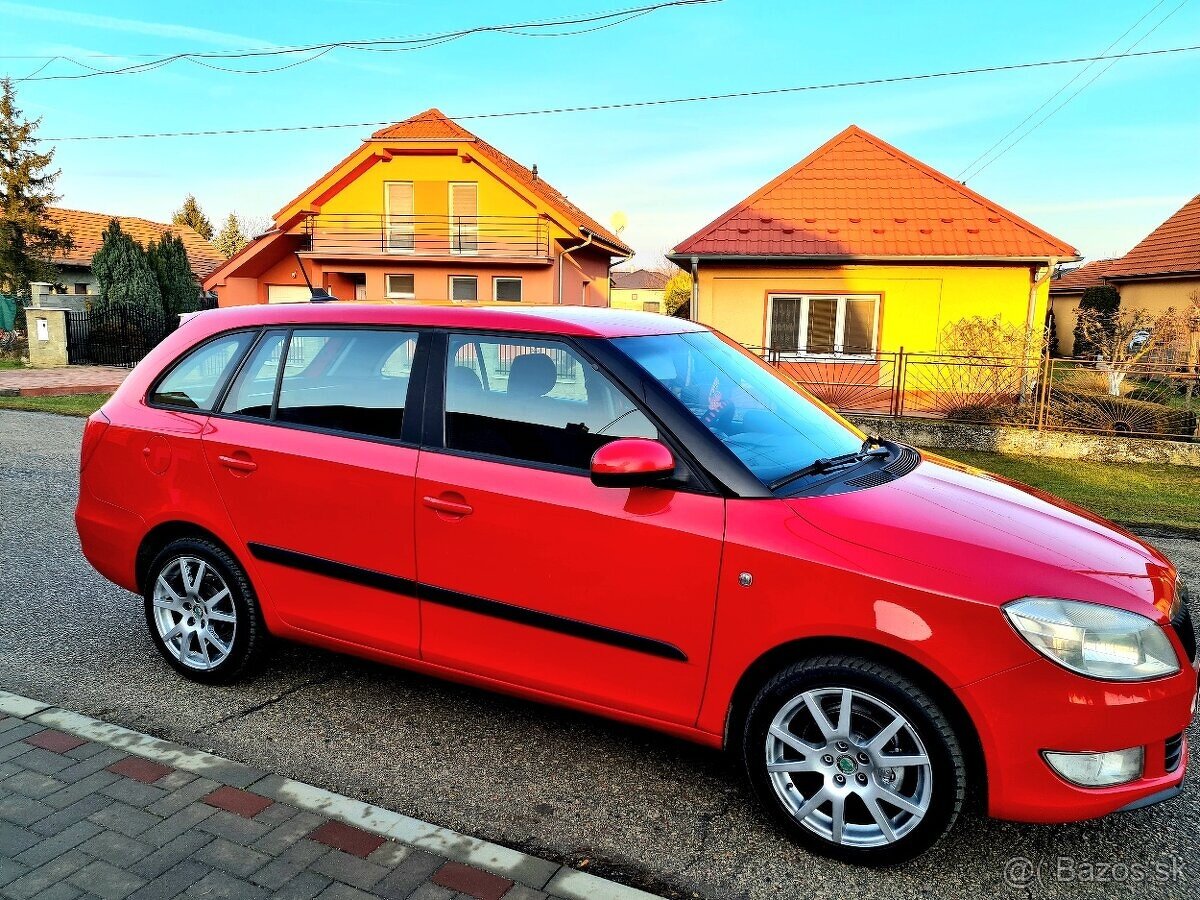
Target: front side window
{"x":768,"y":423}
{"x":824,"y":325}
{"x":464,"y":288}
{"x":506,"y":289}
{"x":194,"y":380}
{"x":533,"y":401}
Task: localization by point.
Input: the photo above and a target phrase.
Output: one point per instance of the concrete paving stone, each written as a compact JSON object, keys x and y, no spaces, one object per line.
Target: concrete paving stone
{"x":342,"y":866}
{"x":390,"y":854}
{"x":222,"y":886}
{"x":18,"y":733}
{"x":176,"y":824}
{"x":520,"y":892}
{"x":106,"y":880}
{"x":94,"y":763}
{"x":32,"y":784}
{"x":12,"y":751}
{"x":86,"y":751}
{"x":305,"y":886}
{"x":283,"y":836}
{"x":230,"y":857}
{"x":10,"y":869}
{"x":116,"y":848}
{"x":22,"y":810}
{"x":182,"y":796}
{"x":470,"y":880}
{"x":36,"y":880}
{"x":8,"y":722}
{"x":89,"y":784}
{"x":45,"y":761}
{"x":431,"y":892}
{"x":276,"y":814}
{"x":14,"y":840}
{"x":175,"y":781}
{"x":59,"y":892}
{"x":171,"y":882}
{"x":76,"y":812}
{"x":416,"y":869}
{"x":8,"y":768}
{"x":291,"y":862}
{"x":237,"y":801}
{"x":133,"y":792}
{"x":144,"y":770}
{"x":338,"y":891}
{"x":53,"y":739}
{"x":345,"y":837}
{"x":128,"y":820}
{"x":52,"y":847}
{"x":233,"y":827}
{"x":172,"y":853}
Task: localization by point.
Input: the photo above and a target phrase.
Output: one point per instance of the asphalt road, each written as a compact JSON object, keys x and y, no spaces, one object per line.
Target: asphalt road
{"x":638,"y":807}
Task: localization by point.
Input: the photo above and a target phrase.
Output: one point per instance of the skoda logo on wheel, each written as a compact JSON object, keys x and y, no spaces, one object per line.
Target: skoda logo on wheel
{"x":846,"y":765}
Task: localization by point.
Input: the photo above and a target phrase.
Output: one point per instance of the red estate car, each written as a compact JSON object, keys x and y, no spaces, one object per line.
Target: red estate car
{"x":629,"y":514}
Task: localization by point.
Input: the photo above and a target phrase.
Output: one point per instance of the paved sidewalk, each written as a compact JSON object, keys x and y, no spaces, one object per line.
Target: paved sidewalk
{"x":89,"y":810}
{"x":62,"y":381}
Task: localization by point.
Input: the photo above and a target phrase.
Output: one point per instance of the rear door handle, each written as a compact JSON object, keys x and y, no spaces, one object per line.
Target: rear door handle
{"x":238,"y":463}
{"x":452,"y":507}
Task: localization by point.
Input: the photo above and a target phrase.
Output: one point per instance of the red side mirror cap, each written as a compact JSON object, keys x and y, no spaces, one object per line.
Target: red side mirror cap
{"x":631,"y":462}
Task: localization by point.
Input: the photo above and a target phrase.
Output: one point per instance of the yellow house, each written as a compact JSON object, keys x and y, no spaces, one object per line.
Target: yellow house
{"x":1162,"y":272}
{"x":637,"y":289}
{"x":860,"y":250}
{"x":426,"y":210}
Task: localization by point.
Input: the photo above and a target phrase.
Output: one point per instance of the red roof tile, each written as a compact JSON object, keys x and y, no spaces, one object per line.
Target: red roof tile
{"x":639,"y":280}
{"x":858,"y":196}
{"x":1171,"y":248}
{"x":87,"y":230}
{"x":1081,"y":278}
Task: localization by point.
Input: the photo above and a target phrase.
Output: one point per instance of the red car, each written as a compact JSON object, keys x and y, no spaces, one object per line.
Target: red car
{"x":628,"y":514}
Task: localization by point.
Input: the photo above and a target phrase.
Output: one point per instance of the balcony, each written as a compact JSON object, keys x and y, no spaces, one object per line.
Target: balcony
{"x":351,"y":235}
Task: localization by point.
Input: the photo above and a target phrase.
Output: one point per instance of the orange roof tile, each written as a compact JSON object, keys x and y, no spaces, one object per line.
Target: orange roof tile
{"x":857,"y":196}
{"x":1171,"y":248}
{"x":639,"y":280}
{"x":87,"y":231}
{"x":1081,"y":278}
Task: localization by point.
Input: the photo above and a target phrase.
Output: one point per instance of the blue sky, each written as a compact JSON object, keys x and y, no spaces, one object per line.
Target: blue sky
{"x":1101,"y":173}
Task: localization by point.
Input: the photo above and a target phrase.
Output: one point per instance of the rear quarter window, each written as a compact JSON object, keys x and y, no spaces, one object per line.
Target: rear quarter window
{"x":194,"y":381}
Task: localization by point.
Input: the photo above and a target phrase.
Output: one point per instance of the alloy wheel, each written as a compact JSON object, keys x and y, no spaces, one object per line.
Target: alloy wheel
{"x":849,"y":767}
{"x":194,"y":613}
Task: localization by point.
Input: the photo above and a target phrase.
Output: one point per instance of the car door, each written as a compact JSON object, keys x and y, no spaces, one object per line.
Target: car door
{"x":531,"y":574}
{"x":310,"y":456}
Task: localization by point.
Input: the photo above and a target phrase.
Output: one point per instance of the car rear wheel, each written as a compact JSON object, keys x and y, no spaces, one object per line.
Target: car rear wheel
{"x":202,"y":613}
{"x":854,"y":760}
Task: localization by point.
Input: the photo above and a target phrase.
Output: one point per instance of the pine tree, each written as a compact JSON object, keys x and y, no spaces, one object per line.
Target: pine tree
{"x":127,"y":279}
{"x":176,"y":283}
{"x":232,"y":238}
{"x":28,"y":242}
{"x":191,"y":215}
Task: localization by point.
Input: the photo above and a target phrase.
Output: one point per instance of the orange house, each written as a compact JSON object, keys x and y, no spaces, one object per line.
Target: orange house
{"x":426,"y":210}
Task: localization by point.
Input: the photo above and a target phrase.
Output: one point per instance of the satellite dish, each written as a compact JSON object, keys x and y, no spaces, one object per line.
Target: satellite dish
{"x":618,"y":221}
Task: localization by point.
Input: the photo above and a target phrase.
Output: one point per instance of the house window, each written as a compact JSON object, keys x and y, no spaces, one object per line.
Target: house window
{"x":824,"y":325}
{"x":650,"y":306}
{"x":464,"y":217}
{"x":398,"y":207}
{"x":506,"y":288}
{"x":464,"y":288}
{"x":81,"y":287}
{"x":401,"y":287}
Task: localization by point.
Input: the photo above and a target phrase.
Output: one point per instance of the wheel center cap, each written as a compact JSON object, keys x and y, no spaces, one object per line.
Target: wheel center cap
{"x":846,"y":765}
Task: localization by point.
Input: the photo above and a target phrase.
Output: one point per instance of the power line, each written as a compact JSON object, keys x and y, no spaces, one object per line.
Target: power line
{"x":636,"y":104}
{"x":539,"y":28}
{"x":1081,"y":89}
{"x":1050,"y":99}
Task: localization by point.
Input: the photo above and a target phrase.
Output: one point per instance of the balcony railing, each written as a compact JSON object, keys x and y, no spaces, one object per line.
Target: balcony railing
{"x":368,"y":234}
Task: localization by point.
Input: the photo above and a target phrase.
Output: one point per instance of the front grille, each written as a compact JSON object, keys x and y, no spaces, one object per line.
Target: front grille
{"x":1184,"y":627}
{"x":1173,"y":755}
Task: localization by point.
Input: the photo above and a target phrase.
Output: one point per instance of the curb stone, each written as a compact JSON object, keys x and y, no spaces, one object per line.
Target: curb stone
{"x":530,"y":871}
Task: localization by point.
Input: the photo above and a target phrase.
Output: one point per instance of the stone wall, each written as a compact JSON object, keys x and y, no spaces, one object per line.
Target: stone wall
{"x":936,"y":434}
{"x":47,"y":337}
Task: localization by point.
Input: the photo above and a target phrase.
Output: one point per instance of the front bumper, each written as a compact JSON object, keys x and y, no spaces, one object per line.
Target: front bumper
{"x":1040,"y":706}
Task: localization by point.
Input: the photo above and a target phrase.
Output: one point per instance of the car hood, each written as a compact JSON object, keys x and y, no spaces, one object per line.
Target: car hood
{"x":991,"y":539}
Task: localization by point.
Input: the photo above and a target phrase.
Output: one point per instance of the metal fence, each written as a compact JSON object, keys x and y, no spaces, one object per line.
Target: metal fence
{"x":1145,"y":398}
{"x":113,"y":336}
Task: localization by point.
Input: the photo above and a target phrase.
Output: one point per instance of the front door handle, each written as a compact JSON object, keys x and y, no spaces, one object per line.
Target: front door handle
{"x":450,"y":507}
{"x":238,"y":463}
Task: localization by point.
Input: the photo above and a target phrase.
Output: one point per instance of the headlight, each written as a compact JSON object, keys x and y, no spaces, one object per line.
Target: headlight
{"x":1093,"y":640}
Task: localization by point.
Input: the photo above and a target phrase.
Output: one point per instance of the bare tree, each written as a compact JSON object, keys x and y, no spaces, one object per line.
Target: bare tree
{"x":1124,"y":339}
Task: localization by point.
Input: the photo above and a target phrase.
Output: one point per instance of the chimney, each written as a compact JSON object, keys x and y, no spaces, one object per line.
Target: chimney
{"x":534,"y":171}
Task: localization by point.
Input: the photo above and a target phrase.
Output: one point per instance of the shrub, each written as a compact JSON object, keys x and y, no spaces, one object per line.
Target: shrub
{"x":1123,"y":415}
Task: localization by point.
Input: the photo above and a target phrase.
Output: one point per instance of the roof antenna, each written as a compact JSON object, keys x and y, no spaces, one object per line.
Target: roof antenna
{"x":315,"y":295}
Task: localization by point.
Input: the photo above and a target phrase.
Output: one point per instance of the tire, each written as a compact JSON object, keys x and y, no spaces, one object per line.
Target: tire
{"x":218,"y":642}
{"x":809,"y":755}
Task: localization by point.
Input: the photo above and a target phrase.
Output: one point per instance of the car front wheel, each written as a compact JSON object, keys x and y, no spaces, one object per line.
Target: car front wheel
{"x":201,"y":611}
{"x":854,"y":760}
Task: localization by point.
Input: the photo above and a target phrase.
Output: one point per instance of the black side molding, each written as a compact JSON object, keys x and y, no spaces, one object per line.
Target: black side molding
{"x":467,"y":602}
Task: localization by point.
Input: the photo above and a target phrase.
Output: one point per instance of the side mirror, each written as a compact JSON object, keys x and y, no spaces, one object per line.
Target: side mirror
{"x":631,"y":462}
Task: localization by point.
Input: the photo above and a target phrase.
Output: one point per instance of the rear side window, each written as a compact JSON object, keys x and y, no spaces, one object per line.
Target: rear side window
{"x":194,"y":381}
{"x":254,"y":389}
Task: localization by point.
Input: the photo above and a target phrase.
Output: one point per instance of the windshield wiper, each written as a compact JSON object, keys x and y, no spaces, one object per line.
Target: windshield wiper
{"x":870,"y":449}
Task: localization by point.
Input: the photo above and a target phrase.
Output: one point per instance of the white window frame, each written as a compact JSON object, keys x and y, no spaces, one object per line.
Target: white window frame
{"x":496,"y":279}
{"x":839,"y":328}
{"x":410,"y":230}
{"x":450,"y":287}
{"x":399,"y":295}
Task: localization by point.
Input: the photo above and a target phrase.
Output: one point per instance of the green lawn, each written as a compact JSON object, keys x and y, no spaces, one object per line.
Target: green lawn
{"x":11,"y":364}
{"x":73,"y":405}
{"x":1140,"y":494}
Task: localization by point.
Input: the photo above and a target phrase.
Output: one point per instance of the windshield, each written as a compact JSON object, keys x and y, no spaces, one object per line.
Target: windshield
{"x":767,"y":423}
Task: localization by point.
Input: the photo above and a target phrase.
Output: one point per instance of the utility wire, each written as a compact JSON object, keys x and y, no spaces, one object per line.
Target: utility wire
{"x":591,"y":22}
{"x":636,"y":104}
{"x":1082,"y":88}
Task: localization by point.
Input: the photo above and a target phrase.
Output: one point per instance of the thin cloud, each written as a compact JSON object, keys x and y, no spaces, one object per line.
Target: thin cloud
{"x":129,"y":26}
